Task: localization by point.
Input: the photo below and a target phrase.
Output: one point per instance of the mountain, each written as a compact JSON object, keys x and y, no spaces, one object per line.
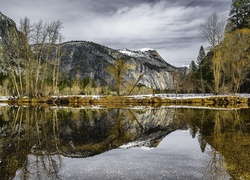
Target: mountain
{"x":8,"y":29}
{"x":8,"y":32}
{"x":82,"y":59}
{"x":88,"y":59}
{"x":11,"y":42}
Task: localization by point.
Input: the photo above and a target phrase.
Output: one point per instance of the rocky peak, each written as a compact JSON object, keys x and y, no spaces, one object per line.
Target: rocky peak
{"x":144,"y":52}
{"x":7,"y":19}
{"x":7,"y":28}
{"x":88,"y":59}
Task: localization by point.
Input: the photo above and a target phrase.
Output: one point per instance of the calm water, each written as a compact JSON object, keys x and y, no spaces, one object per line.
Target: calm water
{"x":124,"y":143}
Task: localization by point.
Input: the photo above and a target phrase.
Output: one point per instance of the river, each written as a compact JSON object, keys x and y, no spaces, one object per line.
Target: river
{"x":124,"y":143}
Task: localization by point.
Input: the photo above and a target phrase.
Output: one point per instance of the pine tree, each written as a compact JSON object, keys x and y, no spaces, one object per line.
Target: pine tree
{"x":193,"y":67}
{"x":239,"y":15}
{"x":201,"y":56}
{"x":200,"y":62}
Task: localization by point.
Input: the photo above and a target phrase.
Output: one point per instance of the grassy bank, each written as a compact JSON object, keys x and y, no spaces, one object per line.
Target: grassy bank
{"x":142,"y":100}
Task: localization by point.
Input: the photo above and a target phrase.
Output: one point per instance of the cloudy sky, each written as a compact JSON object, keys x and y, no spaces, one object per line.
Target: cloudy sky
{"x":169,"y":26}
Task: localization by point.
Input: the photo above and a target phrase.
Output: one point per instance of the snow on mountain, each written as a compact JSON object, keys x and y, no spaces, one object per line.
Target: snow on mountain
{"x":139,"y":53}
{"x":127,"y":52}
{"x":185,"y":66}
{"x":131,"y":53}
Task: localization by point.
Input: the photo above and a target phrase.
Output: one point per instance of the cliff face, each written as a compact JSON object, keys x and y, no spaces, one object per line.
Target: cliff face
{"x":11,"y":44}
{"x":88,"y":59}
{"x":8,"y":29}
{"x":10,"y":37}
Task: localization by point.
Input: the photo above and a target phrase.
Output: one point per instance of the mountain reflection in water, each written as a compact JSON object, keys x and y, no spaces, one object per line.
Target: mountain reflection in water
{"x":124,"y":143}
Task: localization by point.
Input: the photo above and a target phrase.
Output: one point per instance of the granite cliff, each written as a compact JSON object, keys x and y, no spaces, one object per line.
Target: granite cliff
{"x":90,"y":59}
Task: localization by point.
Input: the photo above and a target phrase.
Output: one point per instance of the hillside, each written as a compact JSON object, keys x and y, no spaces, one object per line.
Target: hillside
{"x":88,"y":59}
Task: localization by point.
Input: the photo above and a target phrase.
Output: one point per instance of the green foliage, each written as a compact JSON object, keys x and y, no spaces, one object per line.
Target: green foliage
{"x":232,"y":58}
{"x":3,"y":76}
{"x":239,"y":15}
{"x":86,"y":81}
{"x":64,"y":82}
{"x":78,"y":85}
{"x":200,"y":77}
{"x":207,"y":72}
{"x":193,"y":67}
{"x":201,"y":56}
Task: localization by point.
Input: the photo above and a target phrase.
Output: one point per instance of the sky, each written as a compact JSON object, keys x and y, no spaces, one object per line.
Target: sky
{"x":169,"y":26}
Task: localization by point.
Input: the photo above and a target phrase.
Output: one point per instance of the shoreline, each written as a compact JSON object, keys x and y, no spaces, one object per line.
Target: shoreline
{"x":134,"y":100}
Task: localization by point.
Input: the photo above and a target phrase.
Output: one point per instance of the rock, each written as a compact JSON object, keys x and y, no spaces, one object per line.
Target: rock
{"x":88,"y":59}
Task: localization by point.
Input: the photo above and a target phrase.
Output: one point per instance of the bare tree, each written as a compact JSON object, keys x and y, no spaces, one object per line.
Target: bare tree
{"x":56,"y":65}
{"x":138,"y":80}
{"x":237,"y":57}
{"x":53,"y":35}
{"x":212,"y":31}
{"x":118,"y":71}
{"x":26,"y":28}
{"x":40,"y":39}
{"x":178,"y":79}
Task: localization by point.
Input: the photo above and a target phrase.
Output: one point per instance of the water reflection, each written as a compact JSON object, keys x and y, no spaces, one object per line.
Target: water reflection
{"x":35,"y":141}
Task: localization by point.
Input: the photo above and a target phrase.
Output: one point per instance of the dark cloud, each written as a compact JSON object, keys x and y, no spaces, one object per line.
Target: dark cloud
{"x":169,"y":26}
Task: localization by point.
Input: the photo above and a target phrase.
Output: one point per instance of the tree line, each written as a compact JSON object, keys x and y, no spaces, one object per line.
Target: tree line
{"x":226,"y":66}
{"x":30,"y":58}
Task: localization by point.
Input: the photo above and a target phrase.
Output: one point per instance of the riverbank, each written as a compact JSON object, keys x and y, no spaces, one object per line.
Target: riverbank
{"x":136,"y":100}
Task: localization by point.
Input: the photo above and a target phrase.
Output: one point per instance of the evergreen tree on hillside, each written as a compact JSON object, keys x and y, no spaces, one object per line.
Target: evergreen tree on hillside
{"x":200,"y":62}
{"x":239,"y":16}
{"x":193,"y":67}
{"x":193,"y":76}
{"x":201,"y":55}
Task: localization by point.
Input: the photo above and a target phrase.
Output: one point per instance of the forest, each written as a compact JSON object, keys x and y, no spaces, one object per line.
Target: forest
{"x":226,"y":66}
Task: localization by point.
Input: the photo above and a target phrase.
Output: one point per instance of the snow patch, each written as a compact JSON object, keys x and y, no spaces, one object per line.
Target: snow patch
{"x":4,"y":97}
{"x":95,"y":97}
{"x":185,"y":66}
{"x":140,"y":53}
{"x":137,"y":144}
{"x":130,"y":53}
{"x":203,"y":107}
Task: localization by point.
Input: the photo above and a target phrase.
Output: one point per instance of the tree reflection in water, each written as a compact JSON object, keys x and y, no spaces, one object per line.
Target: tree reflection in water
{"x":33,"y":139}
